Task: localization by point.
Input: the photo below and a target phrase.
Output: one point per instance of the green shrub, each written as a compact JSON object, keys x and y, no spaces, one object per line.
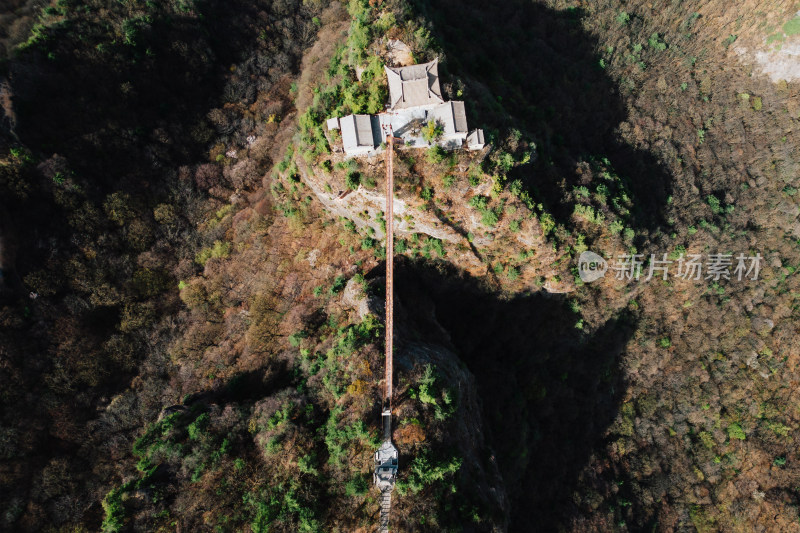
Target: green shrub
{"x":628,"y":234}
{"x":580,"y":244}
{"x":114,"y":510}
{"x":479,"y":202}
{"x":428,"y":391}
{"x":368,"y":243}
{"x":357,"y":486}
{"x":432,"y":131}
{"x":311,"y":132}
{"x":490,"y":217}
{"x":777,"y":427}
{"x":353,"y":180}
{"x":589,"y":214}
{"x":707,"y":440}
{"x":547,"y":223}
{"x":792,"y":26}
{"x":285,"y":504}
{"x":677,"y":252}
{"x":280,"y":417}
{"x":656,"y":43}
{"x":359,"y":35}
{"x":714,"y":204}
{"x":220,"y":250}
{"x":436,"y":154}
{"x":505,"y":162}
{"x":198,"y":427}
{"x":385,"y":22}
{"x":296,"y":337}
{"x":433,"y":245}
{"x":425,"y":471}
{"x":338,"y":285}
{"x":735,"y":431}
{"x":339,"y":437}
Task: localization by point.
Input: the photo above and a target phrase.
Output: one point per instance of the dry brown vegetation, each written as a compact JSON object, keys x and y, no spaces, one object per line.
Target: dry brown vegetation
{"x":706,"y":413}
{"x":203,"y":346}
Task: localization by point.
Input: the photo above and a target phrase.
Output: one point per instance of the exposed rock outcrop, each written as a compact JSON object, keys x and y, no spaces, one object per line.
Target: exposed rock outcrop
{"x":353,"y":203}
{"x":478,"y":461}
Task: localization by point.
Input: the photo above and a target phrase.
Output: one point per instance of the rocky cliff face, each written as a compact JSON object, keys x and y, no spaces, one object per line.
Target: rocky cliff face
{"x":423,"y":343}
{"x":480,"y":468}
{"x":448,"y":201}
{"x":366,"y":207}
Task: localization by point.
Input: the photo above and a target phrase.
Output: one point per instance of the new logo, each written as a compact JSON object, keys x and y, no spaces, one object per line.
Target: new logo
{"x":591,"y":267}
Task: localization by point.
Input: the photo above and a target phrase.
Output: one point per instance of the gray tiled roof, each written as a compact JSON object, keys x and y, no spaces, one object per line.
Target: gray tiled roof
{"x":414,"y":85}
{"x":475,"y":140}
{"x":452,"y":116}
{"x":357,"y":131}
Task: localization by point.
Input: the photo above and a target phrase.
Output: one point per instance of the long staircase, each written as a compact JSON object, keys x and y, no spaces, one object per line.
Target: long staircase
{"x":386,"y":507}
{"x":386,"y":456}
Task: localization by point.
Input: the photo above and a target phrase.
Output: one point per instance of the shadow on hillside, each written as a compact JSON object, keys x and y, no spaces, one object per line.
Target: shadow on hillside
{"x":548,"y":391}
{"x":536,"y":69}
{"x":128,"y":110}
{"x":98,"y":102}
{"x":125,"y":116}
{"x":248,"y":386}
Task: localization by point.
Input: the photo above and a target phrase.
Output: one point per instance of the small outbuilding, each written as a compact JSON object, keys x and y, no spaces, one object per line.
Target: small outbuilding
{"x":453,"y":119}
{"x":475,"y":140}
{"x":360,"y":134}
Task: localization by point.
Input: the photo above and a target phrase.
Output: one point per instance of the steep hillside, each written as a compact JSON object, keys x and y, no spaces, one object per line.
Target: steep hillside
{"x":192,"y":288}
{"x":649,"y":135}
{"x":704,"y":430}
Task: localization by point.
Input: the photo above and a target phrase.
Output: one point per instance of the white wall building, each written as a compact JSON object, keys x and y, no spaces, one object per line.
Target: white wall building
{"x":415,"y":98}
{"x":361,"y":134}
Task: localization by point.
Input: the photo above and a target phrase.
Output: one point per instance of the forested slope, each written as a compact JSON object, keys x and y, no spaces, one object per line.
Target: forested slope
{"x":191,"y":340}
